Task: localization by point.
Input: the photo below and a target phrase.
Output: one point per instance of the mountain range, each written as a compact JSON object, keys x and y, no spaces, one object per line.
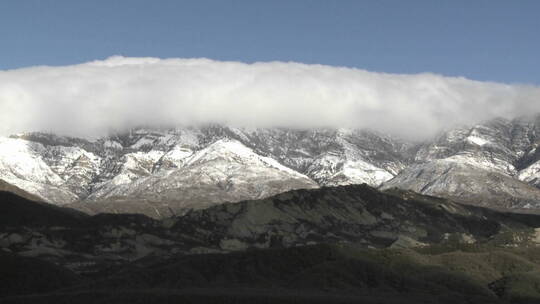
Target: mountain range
{"x":163,"y":172}
{"x":217,"y":214}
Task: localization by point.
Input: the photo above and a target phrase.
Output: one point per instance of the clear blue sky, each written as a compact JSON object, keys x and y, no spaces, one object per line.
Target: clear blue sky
{"x":483,"y":40}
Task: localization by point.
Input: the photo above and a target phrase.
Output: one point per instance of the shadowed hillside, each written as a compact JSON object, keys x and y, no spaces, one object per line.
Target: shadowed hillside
{"x":303,"y":246}
{"x":319,"y":274}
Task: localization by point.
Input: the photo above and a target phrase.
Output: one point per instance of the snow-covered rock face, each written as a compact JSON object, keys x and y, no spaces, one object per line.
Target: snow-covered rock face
{"x":531,"y":174}
{"x":487,"y":146}
{"x":332,"y":157}
{"x":493,"y":164}
{"x":467,"y":183}
{"x":55,"y":173}
{"x":198,"y":166}
{"x":225,"y":171}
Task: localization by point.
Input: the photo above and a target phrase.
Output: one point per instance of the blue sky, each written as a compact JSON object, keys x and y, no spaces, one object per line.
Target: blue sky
{"x":482,"y":40}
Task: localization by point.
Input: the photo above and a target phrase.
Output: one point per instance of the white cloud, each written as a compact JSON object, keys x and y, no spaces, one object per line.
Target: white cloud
{"x":96,"y":97}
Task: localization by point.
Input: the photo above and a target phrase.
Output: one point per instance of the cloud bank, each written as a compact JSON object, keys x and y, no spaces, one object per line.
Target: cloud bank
{"x":93,"y":98}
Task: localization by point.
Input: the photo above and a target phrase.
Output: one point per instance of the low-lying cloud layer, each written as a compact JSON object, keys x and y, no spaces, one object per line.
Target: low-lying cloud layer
{"x":117,"y":93}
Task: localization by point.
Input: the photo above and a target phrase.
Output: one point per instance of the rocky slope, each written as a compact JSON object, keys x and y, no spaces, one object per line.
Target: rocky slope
{"x":77,"y":241}
{"x":355,"y":214}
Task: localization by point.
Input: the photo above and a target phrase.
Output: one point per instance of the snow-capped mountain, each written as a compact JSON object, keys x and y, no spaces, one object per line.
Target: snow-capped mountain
{"x":54,"y":173}
{"x":492,"y":164}
{"x":164,"y":171}
{"x":462,"y":181}
{"x":225,"y":171}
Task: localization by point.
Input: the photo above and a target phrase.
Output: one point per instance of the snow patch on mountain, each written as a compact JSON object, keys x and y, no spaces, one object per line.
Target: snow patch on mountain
{"x":332,"y":170}
{"x":531,"y":174}
{"x":22,"y":165}
{"x":477,"y":140}
{"x":485,"y":161}
{"x":234,"y":151}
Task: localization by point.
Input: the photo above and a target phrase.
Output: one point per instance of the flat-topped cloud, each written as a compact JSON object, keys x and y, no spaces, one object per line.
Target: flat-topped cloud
{"x":93,"y":98}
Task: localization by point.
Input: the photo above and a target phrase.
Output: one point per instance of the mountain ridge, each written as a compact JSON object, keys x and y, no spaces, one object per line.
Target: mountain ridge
{"x":85,"y":173}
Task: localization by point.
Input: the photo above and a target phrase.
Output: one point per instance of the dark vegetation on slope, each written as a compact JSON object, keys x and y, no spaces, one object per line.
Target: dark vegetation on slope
{"x":22,"y":275}
{"x":317,"y":274}
{"x":135,"y":259}
{"x":7,"y":187}
{"x":19,"y":211}
{"x":354,"y":214}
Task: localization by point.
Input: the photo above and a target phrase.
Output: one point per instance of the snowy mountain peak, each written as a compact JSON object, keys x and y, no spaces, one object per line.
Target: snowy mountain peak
{"x":225,"y":148}
{"x":234,"y":151}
